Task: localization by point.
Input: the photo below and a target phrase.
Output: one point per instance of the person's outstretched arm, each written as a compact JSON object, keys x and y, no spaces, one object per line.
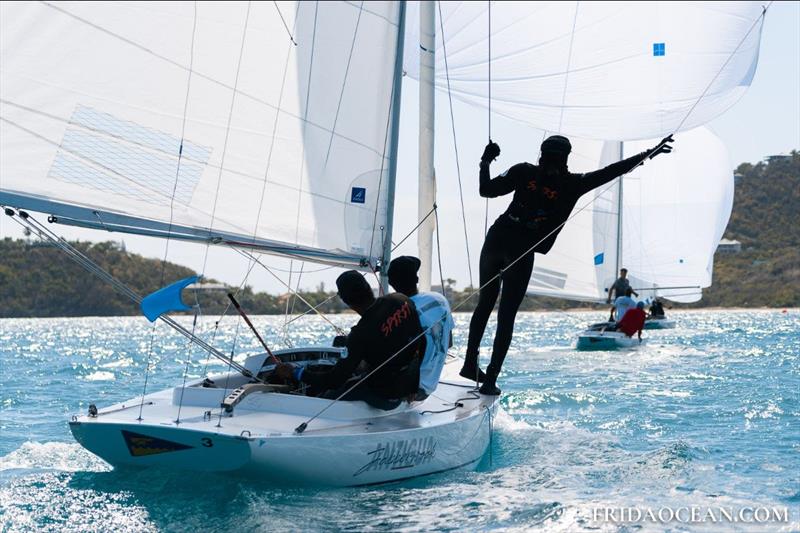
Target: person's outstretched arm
{"x":502,"y":184}
{"x":592,"y":180}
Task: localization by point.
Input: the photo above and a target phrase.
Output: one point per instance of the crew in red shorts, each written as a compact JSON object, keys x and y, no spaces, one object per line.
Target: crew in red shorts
{"x":633,"y":321}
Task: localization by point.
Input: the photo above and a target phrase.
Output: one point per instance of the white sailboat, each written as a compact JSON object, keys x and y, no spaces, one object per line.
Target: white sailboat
{"x":273,"y":128}
{"x":261,"y":127}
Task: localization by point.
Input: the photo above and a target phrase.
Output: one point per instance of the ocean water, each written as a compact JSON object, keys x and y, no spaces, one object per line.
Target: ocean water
{"x":706,"y":416}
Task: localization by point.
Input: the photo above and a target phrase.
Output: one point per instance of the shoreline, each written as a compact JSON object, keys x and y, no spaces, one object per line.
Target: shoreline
{"x":350,"y":313}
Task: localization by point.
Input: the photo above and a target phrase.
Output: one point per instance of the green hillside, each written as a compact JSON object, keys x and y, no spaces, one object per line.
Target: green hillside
{"x":37,"y":280}
{"x":766,"y":212}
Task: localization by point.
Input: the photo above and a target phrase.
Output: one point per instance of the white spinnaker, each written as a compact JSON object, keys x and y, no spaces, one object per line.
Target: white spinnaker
{"x":607,"y":78}
{"x":92,"y":111}
{"x":675,"y":210}
{"x":675,"y":213}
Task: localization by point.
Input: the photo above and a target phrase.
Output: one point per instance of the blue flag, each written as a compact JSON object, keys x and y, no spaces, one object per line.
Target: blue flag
{"x":166,"y":299}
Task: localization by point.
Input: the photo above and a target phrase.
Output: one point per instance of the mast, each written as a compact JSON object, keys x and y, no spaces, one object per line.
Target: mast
{"x":397,"y":86}
{"x":427,"y":177}
{"x":619,"y":215}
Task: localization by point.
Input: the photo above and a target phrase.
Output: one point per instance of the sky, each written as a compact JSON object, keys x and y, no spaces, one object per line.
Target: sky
{"x":765,"y":121}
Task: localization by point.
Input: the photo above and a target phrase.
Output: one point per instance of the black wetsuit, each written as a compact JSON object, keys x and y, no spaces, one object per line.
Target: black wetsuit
{"x":656,"y":309}
{"x":540,"y":206}
{"x":384,"y":329}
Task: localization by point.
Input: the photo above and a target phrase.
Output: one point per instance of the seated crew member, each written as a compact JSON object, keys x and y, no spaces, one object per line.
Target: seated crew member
{"x":656,"y":309}
{"x":434,"y":317}
{"x":388,"y":332}
{"x":620,"y":286}
{"x":622,"y":304}
{"x":633,"y":321}
{"x":544,"y":195}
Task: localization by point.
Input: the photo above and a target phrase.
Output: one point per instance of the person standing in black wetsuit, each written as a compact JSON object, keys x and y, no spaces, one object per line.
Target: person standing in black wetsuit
{"x":544,"y":196}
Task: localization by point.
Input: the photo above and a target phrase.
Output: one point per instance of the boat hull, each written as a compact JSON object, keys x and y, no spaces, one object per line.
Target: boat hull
{"x":145,"y":445}
{"x":659,"y":323}
{"x":298,"y":459}
{"x":343,"y":443}
{"x":606,"y":340}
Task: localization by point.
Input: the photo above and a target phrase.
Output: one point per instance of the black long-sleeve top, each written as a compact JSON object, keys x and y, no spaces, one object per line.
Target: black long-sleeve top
{"x":542,"y":203}
{"x":389,"y":326}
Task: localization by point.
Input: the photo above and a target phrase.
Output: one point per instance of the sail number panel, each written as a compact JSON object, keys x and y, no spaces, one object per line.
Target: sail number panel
{"x":142,"y":445}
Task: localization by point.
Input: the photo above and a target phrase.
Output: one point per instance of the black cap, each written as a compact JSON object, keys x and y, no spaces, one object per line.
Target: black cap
{"x":403,"y":270}
{"x":558,"y":144}
{"x":352,"y":287}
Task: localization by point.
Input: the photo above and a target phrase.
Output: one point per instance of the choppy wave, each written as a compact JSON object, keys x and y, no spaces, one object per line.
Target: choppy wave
{"x":707,"y":414}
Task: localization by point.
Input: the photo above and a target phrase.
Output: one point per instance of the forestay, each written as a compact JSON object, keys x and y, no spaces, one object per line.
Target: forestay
{"x":204,"y":120}
{"x":675,"y":210}
{"x":598,"y":70}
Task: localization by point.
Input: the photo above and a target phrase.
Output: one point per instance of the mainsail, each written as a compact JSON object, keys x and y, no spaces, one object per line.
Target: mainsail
{"x":262,"y":125}
{"x":674,"y":212}
{"x":598,"y":70}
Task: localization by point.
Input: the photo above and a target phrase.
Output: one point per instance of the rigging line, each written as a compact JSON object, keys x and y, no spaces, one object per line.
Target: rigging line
{"x":566,"y":71}
{"x":730,"y":56}
{"x":251,"y":265}
{"x":489,"y":106}
{"x":297,"y":287}
{"x":278,"y":9}
{"x":257,"y":261}
{"x":228,"y":374}
{"x":88,"y":264}
{"x":455,"y":143}
{"x":271,"y":151}
{"x":396,"y":84}
{"x":199,"y":74}
{"x":290,"y":310}
{"x":313,"y":309}
{"x":305,"y":116}
{"x":213,"y":338}
{"x":172,"y":210}
{"x":489,"y":67}
{"x":439,"y":251}
{"x":188,"y":360}
{"x":486,"y":218}
{"x":227,"y":134}
{"x":180,"y":149}
{"x":147,"y":368}
{"x":410,"y":233}
{"x":303,"y":150}
{"x":344,"y":83}
{"x":269,"y":158}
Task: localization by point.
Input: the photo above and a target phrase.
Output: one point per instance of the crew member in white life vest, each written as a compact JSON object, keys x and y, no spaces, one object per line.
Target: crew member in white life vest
{"x":435,"y":318}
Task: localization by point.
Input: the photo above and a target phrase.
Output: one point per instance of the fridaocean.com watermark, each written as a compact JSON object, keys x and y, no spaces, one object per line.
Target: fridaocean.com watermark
{"x":691,"y":515}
